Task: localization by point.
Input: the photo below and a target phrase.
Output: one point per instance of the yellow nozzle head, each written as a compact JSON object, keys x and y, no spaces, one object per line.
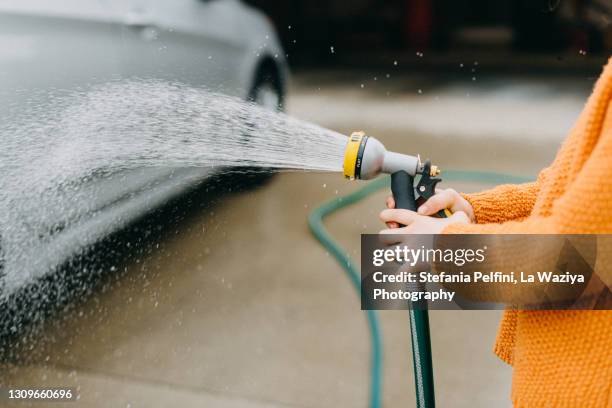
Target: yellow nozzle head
{"x":351,"y":154}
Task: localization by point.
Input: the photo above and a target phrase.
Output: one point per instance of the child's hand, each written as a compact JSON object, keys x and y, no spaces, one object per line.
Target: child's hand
{"x":418,"y":224}
{"x":421,"y":222}
{"x":448,"y":198}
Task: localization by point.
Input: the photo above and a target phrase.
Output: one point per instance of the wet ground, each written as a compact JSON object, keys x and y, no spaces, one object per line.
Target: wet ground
{"x":238,"y":306}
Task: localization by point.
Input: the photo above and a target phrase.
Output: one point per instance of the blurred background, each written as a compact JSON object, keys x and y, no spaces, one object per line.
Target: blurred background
{"x":217,"y":294}
{"x":366,"y":33}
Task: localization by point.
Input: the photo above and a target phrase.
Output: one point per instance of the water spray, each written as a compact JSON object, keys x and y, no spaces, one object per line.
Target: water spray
{"x":365,"y":158}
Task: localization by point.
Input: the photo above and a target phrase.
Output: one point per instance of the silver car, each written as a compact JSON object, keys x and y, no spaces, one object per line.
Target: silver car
{"x":222,"y":45}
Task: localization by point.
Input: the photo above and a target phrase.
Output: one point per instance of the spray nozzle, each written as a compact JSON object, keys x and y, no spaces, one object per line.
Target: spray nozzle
{"x":365,"y":158}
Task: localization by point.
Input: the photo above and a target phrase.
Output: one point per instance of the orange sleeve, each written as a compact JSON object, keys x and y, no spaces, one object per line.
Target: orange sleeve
{"x":583,"y":208}
{"x":505,"y":202}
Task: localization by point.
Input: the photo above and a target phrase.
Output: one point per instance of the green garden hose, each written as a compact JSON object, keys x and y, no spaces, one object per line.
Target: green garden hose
{"x":315,"y":222}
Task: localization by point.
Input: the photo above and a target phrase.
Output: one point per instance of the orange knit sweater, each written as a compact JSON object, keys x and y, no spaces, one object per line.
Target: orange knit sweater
{"x":560,"y":358}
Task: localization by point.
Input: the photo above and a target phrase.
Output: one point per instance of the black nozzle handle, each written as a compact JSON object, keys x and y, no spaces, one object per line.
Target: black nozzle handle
{"x":402,"y":187}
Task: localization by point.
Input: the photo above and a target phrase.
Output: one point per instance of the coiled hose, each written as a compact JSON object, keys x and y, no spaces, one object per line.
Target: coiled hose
{"x":315,"y":222}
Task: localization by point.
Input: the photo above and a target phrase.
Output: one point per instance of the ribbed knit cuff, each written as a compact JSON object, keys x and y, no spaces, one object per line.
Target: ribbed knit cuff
{"x":489,"y":210}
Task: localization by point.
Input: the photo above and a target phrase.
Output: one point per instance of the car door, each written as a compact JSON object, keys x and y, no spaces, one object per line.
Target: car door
{"x":191,"y":41}
{"x":55,"y":44}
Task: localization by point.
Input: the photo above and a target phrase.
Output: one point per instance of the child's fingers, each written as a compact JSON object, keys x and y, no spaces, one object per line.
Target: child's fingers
{"x":405,"y":217}
{"x":443,"y":199}
{"x":461,"y":217}
{"x":390,"y":202}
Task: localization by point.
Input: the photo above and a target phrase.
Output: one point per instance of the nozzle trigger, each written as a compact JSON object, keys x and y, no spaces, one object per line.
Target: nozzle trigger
{"x":426,"y":188}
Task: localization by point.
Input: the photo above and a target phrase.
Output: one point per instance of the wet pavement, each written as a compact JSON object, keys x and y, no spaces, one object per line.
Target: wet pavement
{"x":238,"y":305}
